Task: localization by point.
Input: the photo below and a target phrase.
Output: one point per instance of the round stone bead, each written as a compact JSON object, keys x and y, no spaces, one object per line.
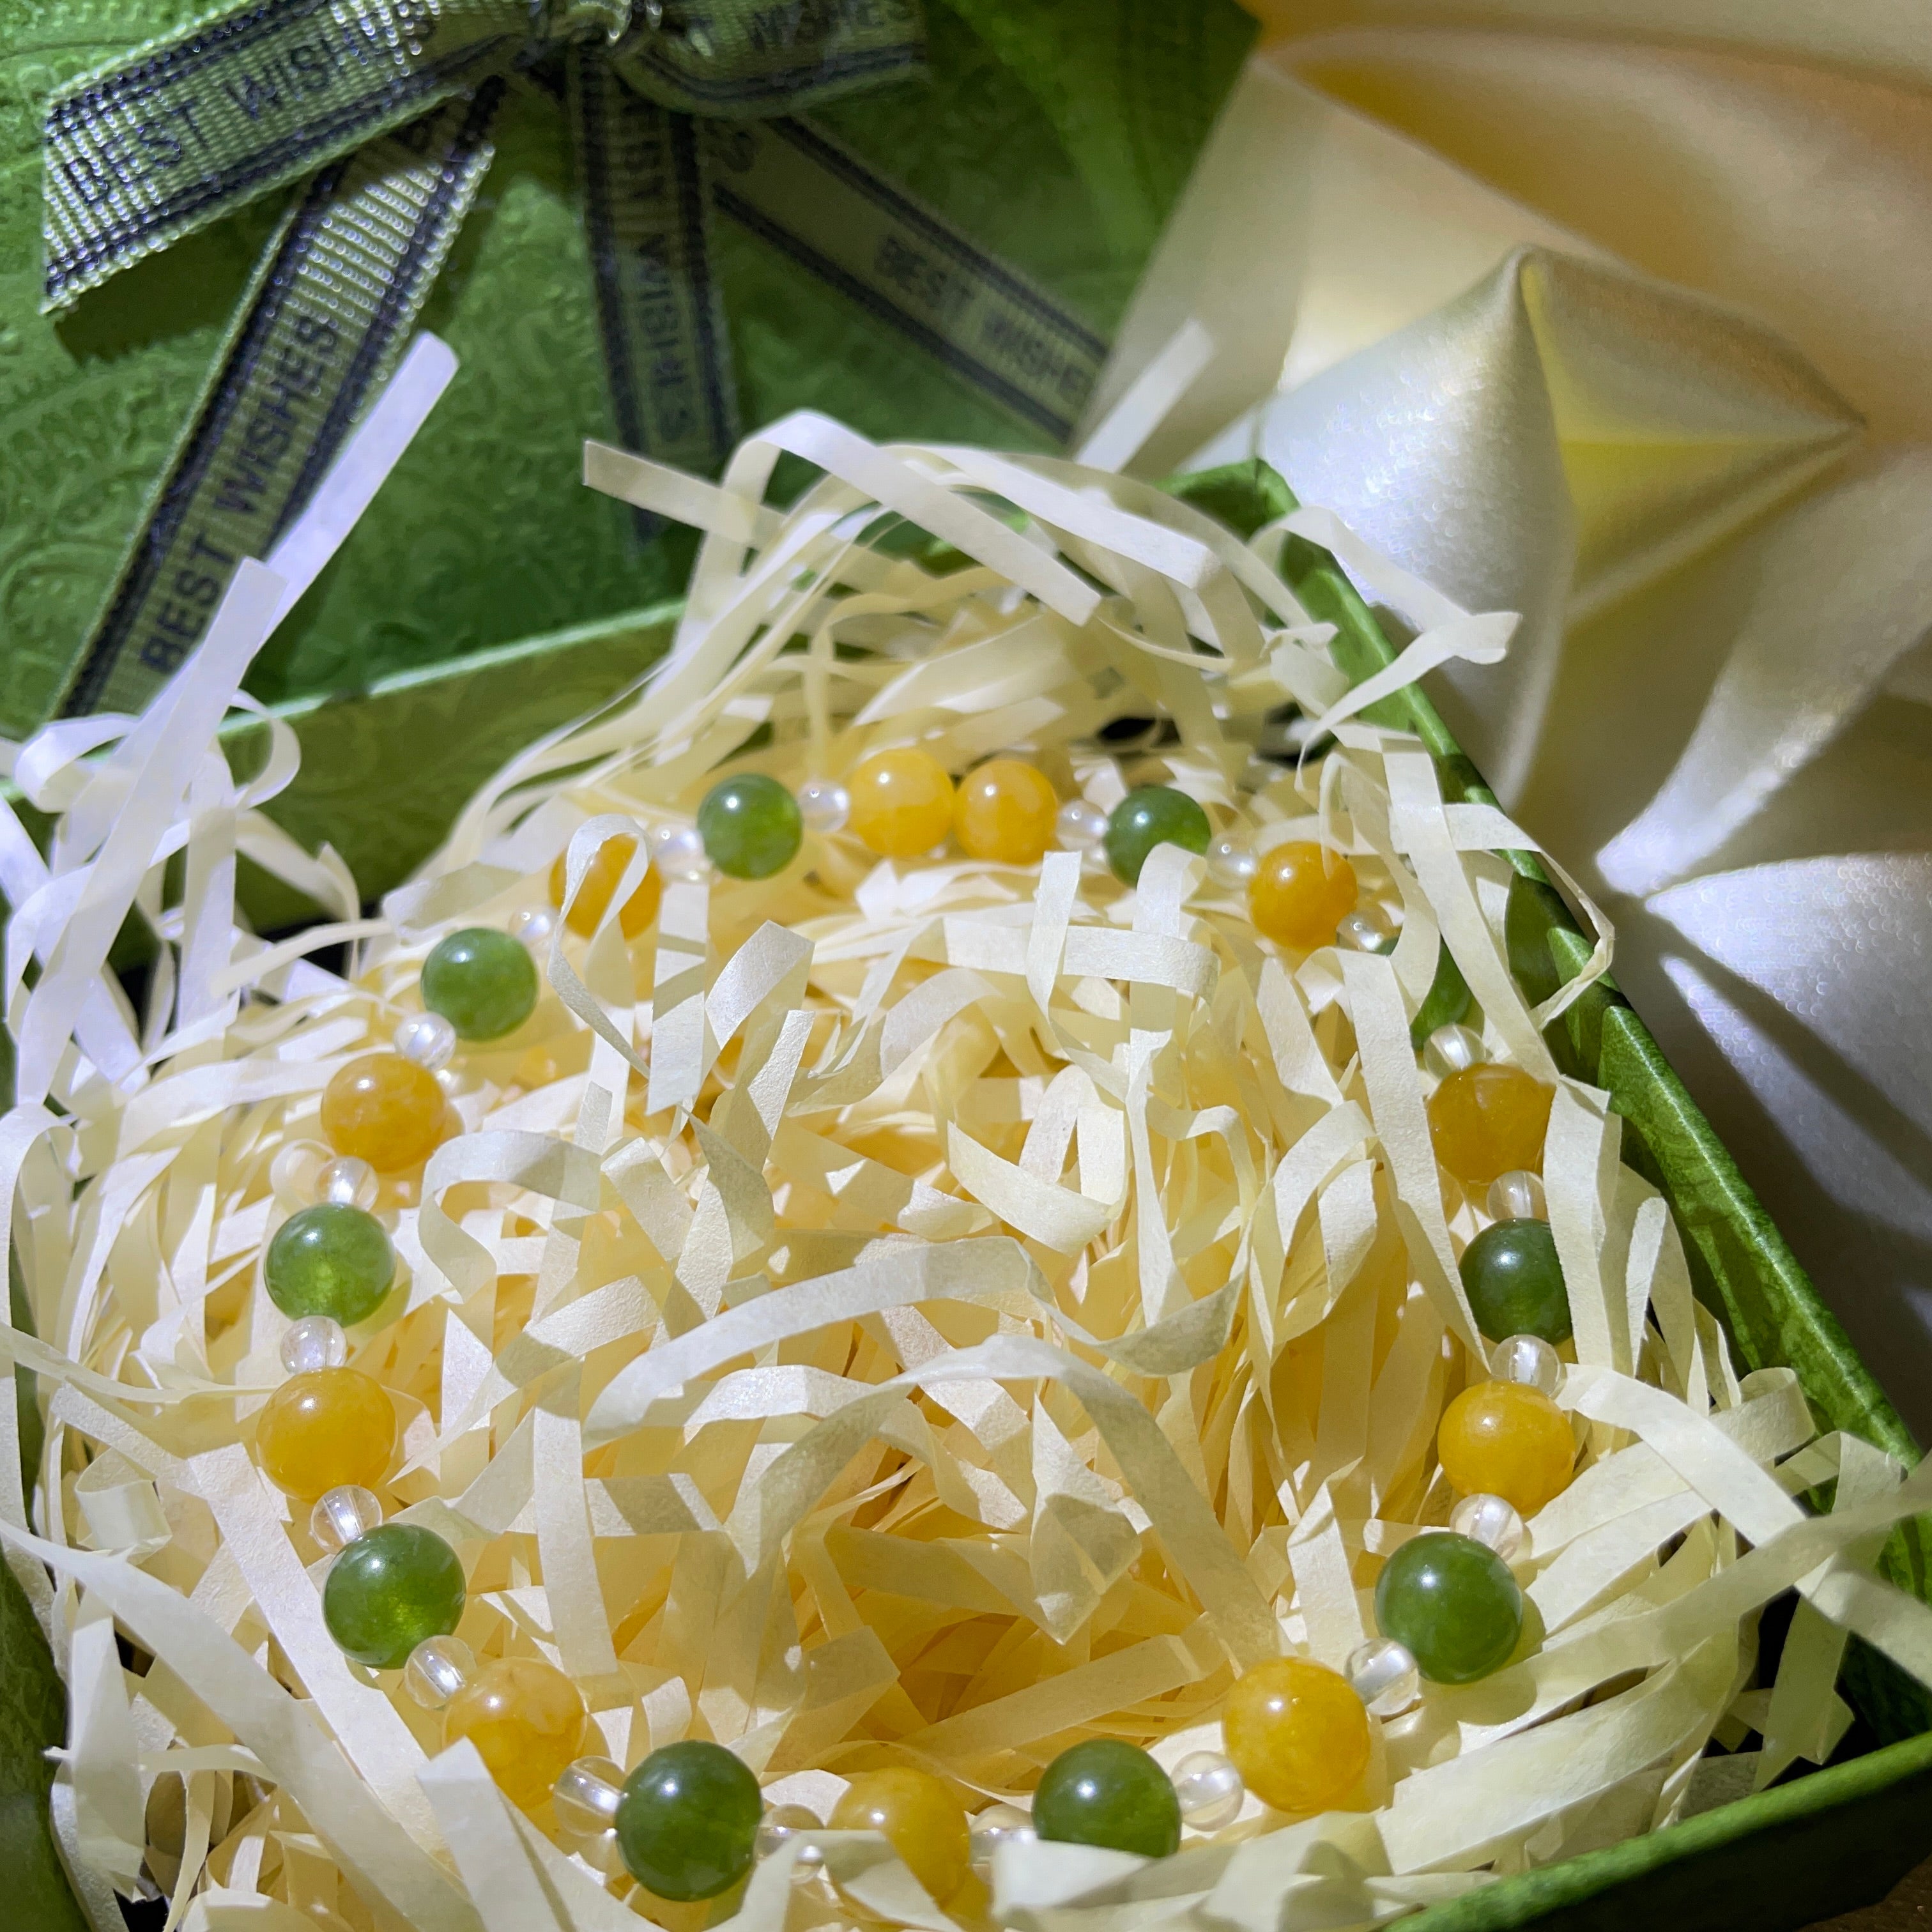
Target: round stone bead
{"x":526,"y":1719}
{"x":825,"y":806}
{"x":601,"y":877}
{"x":342,"y":1514}
{"x":1528,"y":1359}
{"x":1210,"y":1790}
{"x":751,"y":827}
{"x":923,"y":1822}
{"x":687,"y":1820}
{"x":348,"y":1182}
{"x":388,"y":1591}
{"x":1517,"y":1196}
{"x":902,"y":802}
{"x":1005,"y":811}
{"x":329,"y":1260}
{"x":439,"y":1667}
{"x":315,"y":1342}
{"x":1492,"y":1521}
{"x":1108,"y":1793}
{"x":1488,"y":1120}
{"x":585,"y":1796}
{"x":1081,"y":827}
{"x":383,"y":1109}
{"x":427,"y":1039}
{"x":1514,"y":1281}
{"x":998,"y":1824}
{"x":328,"y":1428}
{"x":1300,"y":895}
{"x":1502,"y":1439}
{"x":1453,"y":1604}
{"x":1382,"y":1673}
{"x":1151,"y":815}
{"x":482,"y":981}
{"x":1297,"y":1733}
{"x":1232,"y":863}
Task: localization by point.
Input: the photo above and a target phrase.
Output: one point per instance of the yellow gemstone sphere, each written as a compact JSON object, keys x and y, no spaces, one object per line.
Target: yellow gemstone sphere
{"x":601,"y":880}
{"x":902,"y":802}
{"x":1300,"y":893}
{"x":325,"y":1429}
{"x":1297,"y":1732}
{"x":925,"y":1823}
{"x":1507,"y":1439}
{"x":383,"y":1109}
{"x":1006,"y":810}
{"x":526,"y":1719}
{"x":1490,"y":1120}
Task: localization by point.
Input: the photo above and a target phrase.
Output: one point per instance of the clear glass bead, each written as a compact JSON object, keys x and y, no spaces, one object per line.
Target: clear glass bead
{"x":437,"y":1668}
{"x":786,"y":1821}
{"x":1450,"y":1049}
{"x":602,"y":1851}
{"x":346,"y":1182}
{"x":342,"y":1514}
{"x":998,"y":1824}
{"x":535,"y":926}
{"x":1364,"y":930}
{"x":1528,"y":1359}
{"x":1230,"y":862}
{"x":824,"y":804}
{"x":1490,"y":1520}
{"x":1517,"y":1196}
{"x":1210,"y":1789}
{"x":1384,"y":1676}
{"x":1081,"y":827}
{"x":678,"y":852}
{"x":427,"y":1039}
{"x":586,"y":1795}
{"x":315,"y":1342}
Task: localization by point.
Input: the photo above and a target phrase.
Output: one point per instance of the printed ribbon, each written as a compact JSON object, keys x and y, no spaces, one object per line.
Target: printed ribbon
{"x":678,"y":111}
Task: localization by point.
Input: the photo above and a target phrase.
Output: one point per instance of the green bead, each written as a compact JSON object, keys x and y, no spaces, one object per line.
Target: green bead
{"x":751,"y":827}
{"x":1515,"y":1283}
{"x":482,"y":981}
{"x":688,"y":1821}
{"x":389,"y":1590}
{"x":1106,"y":1792}
{"x":330,"y":1259}
{"x":1151,"y":815}
{"x":1446,"y":1004}
{"x":1453,"y":1603}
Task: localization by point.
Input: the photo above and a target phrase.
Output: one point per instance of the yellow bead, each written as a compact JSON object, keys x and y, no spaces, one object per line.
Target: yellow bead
{"x":1507,"y":1439}
{"x":902,"y":802}
{"x":1005,"y":811}
{"x":1489,"y":1120}
{"x":1300,"y":893}
{"x":922,"y":1820}
{"x":600,"y":880}
{"x":383,"y":1109}
{"x":526,"y":1719}
{"x":1297,"y":1732}
{"x":325,"y":1429}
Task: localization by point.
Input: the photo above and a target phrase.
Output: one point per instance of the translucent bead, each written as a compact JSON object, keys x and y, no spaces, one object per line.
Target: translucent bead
{"x":1231,"y":862}
{"x":825,"y":806}
{"x":1108,"y":1793}
{"x":902,"y":802}
{"x":585,"y":1796}
{"x":1453,"y":1604}
{"x":342,"y":1514}
{"x":1487,"y":1120}
{"x":1080,"y":826}
{"x":438,"y":1668}
{"x":1364,"y":930}
{"x":783,"y":1822}
{"x":1209,"y":1789}
{"x":1514,"y":1281}
{"x":1517,"y":1196}
{"x":687,"y":1820}
{"x":677,"y":852}
{"x":602,"y":1852}
{"x":750,"y":826}
{"x":1492,"y":1521}
{"x":526,"y":1719}
{"x":1006,"y":812}
{"x":601,"y":877}
{"x":1505,"y":1439}
{"x":1297,"y":1732}
{"x":315,"y":1342}
{"x":383,"y":1109}
{"x":388,"y":1591}
{"x":1529,"y":1360}
{"x":481,"y":981}
{"x":1452,"y":1049}
{"x":998,"y":1824}
{"x":427,"y":1039}
{"x":345,"y":1182}
{"x":921,"y":1819}
{"x":329,"y":1260}
{"x":1382,"y":1673}
{"x":326,"y":1429}
{"x":1151,"y":815}
{"x":533,"y":927}
{"x":1300,"y":893}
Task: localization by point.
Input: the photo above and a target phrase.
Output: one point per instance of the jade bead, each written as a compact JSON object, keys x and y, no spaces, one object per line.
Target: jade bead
{"x":1148,"y":816}
{"x":1514,"y":1281}
{"x":752,"y":827}
{"x":688,"y":1821}
{"x":1107,"y":1792}
{"x":481,"y":980}
{"x":330,"y":1259}
{"x":1453,"y":1603}
{"x":390,"y":1590}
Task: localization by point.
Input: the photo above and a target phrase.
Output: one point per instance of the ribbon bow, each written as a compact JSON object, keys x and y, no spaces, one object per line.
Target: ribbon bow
{"x":677,"y":111}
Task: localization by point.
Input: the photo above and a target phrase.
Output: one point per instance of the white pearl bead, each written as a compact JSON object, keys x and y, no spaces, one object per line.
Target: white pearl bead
{"x":782,"y":1822}
{"x":1364,"y":932}
{"x":341,"y":1515}
{"x":1491,"y":1520}
{"x":534,"y":926}
{"x":1517,"y":1197}
{"x":824,"y":805}
{"x":1080,"y":825}
{"x":1529,"y":1360}
{"x":1209,"y":1790}
{"x":438,"y":1668}
{"x":678,"y":852}
{"x":346,"y":1181}
{"x":998,"y":1824}
{"x":315,"y":1342}
{"x":427,"y":1039}
{"x":1384,"y":1676}
{"x":1230,"y":862}
{"x":586,"y":1795}
{"x":1452,"y":1048}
